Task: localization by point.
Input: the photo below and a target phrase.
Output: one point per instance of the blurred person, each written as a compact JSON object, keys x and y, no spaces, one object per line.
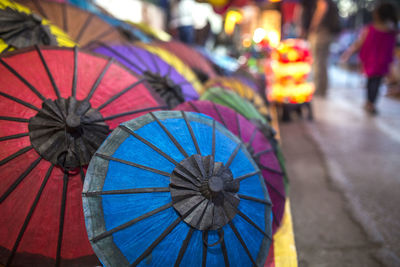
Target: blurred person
{"x":182,"y":19}
{"x":376,"y":44}
{"x":319,"y":20}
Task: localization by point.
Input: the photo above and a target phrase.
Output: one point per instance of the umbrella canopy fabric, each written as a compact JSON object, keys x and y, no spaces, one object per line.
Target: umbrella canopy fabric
{"x":83,"y":27}
{"x":177,"y":188}
{"x":20,"y":28}
{"x":155,"y":34}
{"x":57,"y":105}
{"x":190,"y":56}
{"x":242,"y":90}
{"x":258,"y":146}
{"x":234,"y":101}
{"x":178,"y":64}
{"x":169,"y":83}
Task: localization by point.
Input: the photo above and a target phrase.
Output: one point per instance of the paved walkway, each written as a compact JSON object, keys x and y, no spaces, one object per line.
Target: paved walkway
{"x":345,"y":179}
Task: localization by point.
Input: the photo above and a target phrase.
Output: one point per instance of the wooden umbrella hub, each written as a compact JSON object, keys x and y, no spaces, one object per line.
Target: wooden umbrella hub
{"x":204,"y":192}
{"x":67,"y":132}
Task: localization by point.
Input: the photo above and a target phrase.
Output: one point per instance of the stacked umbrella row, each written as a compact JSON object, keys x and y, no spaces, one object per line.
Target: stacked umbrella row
{"x":200,"y":185}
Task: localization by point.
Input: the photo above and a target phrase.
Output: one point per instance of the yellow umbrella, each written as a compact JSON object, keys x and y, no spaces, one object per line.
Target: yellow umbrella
{"x":241,"y":89}
{"x":20,"y":27}
{"x":152,"y":32}
{"x":178,"y":64}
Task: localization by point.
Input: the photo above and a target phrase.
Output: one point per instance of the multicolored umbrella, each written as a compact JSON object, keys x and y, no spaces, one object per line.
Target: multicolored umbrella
{"x":242,"y":90}
{"x":57,"y":106}
{"x":155,"y":34}
{"x":177,"y":188}
{"x":83,"y":27}
{"x":169,"y":83}
{"x":189,"y":56}
{"x":20,"y":28}
{"x":258,"y":146}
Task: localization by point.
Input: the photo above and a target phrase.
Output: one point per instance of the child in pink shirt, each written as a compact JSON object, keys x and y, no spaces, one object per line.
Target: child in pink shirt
{"x":376,"y":45}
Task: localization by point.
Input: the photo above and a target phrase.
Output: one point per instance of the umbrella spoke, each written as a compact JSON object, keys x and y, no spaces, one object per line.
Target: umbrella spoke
{"x":75,"y":74}
{"x":114,"y":97}
{"x":171,"y":137}
{"x":276,"y":190}
{"x":191,"y":132}
{"x":5,"y":118}
{"x":65,"y":18}
{"x":242,"y":242}
{"x":62,"y":216}
{"x":269,"y":169}
{"x":194,"y":107}
{"x":241,"y":178}
{"x":219,"y":115}
{"x":153,"y":60}
{"x":263,"y":201}
{"x":130,"y":48}
{"x":28,"y":217}
{"x":20,"y":101}
{"x":16,"y":154}
{"x":184,"y":247}
{"x":128,"y":113}
{"x":132,"y":164}
{"x":104,"y":34}
{"x":233,"y":155}
{"x":82,"y":174}
{"x":84,"y":27}
{"x":127,"y":191}
{"x":238,"y":126}
{"x":15,"y":136}
{"x":247,"y":219}
{"x":213,"y":140}
{"x":225,"y":253}
{"x":268,"y":150}
{"x":99,"y":78}
{"x":166,"y":232}
{"x":131,"y":222}
{"x":19,"y":179}
{"x":159,"y":151}
{"x":204,"y":257}
{"x":22,"y":79}
{"x":53,"y":83}
{"x":252,"y":137}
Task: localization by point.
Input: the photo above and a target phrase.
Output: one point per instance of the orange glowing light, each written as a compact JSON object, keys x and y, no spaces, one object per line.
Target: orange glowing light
{"x":246,"y":43}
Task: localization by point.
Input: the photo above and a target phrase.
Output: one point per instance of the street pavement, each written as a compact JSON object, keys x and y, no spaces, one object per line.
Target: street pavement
{"x":344,"y":169}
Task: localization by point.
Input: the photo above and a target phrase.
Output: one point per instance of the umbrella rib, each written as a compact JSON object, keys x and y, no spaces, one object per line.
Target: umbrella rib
{"x":241,"y":178}
{"x":82,"y":174}
{"x":252,"y":137}
{"x":19,"y":179}
{"x":83,"y":29}
{"x":238,"y":126}
{"x":62,"y":216}
{"x":53,"y":83}
{"x":141,"y":139}
{"x":270,"y":169}
{"x":20,"y":101}
{"x":15,"y":136}
{"x":99,"y":78}
{"x":233,"y":155}
{"x":128,"y":113}
{"x":75,"y":74}
{"x":273,"y":188}
{"x":16,"y":154}
{"x":219,"y":114}
{"x":184,"y":247}
{"x":127,"y":191}
{"x":268,"y":150}
{"x":104,"y":34}
{"x":117,"y":95}
{"x":22,"y":79}
{"x":204,"y":256}
{"x":247,"y":219}
{"x":29,"y":216}
{"x":194,"y":107}
{"x":171,"y":137}
{"x":191,"y":132}
{"x":263,"y":201}
{"x":136,"y":55}
{"x":153,"y":60}
{"x":106,"y":157}
{"x":131,"y":222}
{"x":225,"y":253}
{"x":122,"y":56}
{"x":5,"y":118}
{"x":65,"y":18}
{"x":239,"y":237}
{"x":40,"y":8}
{"x":163,"y":235}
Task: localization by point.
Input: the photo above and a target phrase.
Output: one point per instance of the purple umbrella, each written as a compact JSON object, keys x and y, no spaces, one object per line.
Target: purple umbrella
{"x":256,"y":143}
{"x":167,"y":82}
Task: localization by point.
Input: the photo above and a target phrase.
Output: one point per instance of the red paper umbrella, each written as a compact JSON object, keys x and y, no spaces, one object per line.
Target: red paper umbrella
{"x":191,"y":57}
{"x":258,"y":146}
{"x":57,"y":105}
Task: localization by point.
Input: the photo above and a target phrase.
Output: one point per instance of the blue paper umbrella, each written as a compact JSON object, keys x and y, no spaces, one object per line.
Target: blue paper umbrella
{"x":175,"y":188}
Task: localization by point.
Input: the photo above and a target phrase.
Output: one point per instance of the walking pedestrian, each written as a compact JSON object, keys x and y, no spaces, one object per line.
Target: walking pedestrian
{"x":376,"y":44}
